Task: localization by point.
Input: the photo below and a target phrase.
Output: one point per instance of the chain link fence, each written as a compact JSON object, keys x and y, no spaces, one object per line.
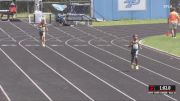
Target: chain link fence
{"x":24,"y":8}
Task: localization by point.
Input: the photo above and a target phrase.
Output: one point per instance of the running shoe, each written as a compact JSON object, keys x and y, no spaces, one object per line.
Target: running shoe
{"x":137,"y":67}
{"x":43,"y":45}
{"x":132,"y":66}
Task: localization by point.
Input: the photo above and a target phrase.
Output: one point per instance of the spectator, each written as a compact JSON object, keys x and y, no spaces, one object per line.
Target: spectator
{"x":12,"y":10}
{"x":173,"y":21}
{"x":61,"y":18}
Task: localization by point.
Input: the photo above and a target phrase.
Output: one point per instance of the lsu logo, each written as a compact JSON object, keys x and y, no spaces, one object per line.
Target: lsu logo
{"x":130,"y":3}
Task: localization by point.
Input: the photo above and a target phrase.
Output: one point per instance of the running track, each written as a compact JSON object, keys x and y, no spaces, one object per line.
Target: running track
{"x":82,"y":64}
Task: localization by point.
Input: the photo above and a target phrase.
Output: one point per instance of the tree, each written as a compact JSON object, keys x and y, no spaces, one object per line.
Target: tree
{"x":174,"y":2}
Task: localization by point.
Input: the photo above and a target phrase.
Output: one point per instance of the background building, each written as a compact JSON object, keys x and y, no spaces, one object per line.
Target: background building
{"x":130,"y":9}
{"x":104,"y":9}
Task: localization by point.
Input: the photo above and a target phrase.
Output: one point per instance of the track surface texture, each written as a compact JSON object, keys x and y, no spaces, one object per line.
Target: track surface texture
{"x":82,"y":63}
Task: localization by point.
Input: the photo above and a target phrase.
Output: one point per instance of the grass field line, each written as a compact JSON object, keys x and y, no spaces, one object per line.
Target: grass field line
{"x":127,"y":49}
{"x":128,"y":60}
{"x":73,"y":37}
{"x":140,"y":54}
{"x":161,"y":51}
{"x":129,"y":22}
{"x":47,"y":64}
{"x":7,"y":34}
{"x":26,"y":75}
{"x":122,"y":59}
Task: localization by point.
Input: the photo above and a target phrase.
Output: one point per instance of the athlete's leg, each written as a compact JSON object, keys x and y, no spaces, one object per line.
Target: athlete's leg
{"x":132,"y":56}
{"x":132,"y":59}
{"x":136,"y":59}
{"x":43,"y":39}
{"x":40,"y":35}
{"x":171,"y":26}
{"x":174,"y":32}
{"x":174,"y":27}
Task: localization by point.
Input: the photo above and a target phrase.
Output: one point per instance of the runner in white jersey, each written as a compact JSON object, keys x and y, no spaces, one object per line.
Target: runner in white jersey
{"x":42,"y":31}
{"x":135,"y":46}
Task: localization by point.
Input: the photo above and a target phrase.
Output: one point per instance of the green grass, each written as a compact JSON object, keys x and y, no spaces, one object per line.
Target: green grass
{"x":128,"y":22}
{"x":22,"y":15}
{"x":164,"y":43}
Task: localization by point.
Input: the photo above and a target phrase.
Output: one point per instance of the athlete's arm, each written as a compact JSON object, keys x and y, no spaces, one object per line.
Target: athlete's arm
{"x":178,"y":18}
{"x":139,"y":45}
{"x":46,"y":28}
{"x":130,"y":44}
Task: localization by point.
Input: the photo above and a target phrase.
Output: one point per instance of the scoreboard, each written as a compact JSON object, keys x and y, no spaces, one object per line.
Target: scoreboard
{"x":164,"y":89}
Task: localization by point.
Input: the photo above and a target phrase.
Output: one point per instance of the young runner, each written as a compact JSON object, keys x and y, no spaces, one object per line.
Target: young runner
{"x":42,"y":31}
{"x":135,"y":46}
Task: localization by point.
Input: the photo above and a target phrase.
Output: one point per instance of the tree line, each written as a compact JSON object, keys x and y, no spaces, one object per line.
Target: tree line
{"x":24,"y":6}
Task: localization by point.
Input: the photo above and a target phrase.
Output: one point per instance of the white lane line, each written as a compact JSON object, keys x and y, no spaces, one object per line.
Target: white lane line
{"x":143,"y":68}
{"x":116,"y":69}
{"x":80,"y":45}
{"x":67,"y":34}
{"x":130,"y":76}
{"x":5,"y":39}
{"x":170,"y":97}
{"x":8,"y":45}
{"x":89,"y":71}
{"x":57,"y":38}
{"x":4,"y":92}
{"x":117,"y":38}
{"x":74,"y":37}
{"x":55,"y":45}
{"x":127,"y":49}
{"x":104,"y":45}
{"x":121,"y":71}
{"x":121,"y":58}
{"x":54,"y":70}
{"x":139,"y":54}
{"x":7,"y":34}
{"x":95,"y":37}
{"x":111,"y":66}
{"x":26,"y":74}
{"x":19,"y":36}
{"x":112,"y":42}
{"x":160,"y":51}
{"x":97,"y":76}
{"x":51,"y":39}
{"x":35,"y":45}
{"x":46,"y":33}
{"x":86,"y":70}
{"x":50,"y":66}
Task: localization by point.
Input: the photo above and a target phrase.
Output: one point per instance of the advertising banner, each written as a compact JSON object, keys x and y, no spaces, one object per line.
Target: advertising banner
{"x":131,"y":5}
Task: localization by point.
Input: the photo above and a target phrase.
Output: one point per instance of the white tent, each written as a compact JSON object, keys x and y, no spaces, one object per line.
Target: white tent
{"x":59,"y":7}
